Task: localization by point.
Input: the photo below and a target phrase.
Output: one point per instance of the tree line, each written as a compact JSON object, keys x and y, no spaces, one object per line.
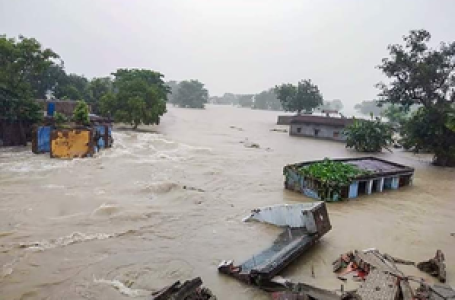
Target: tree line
{"x":421,"y":78}
{"x":419,"y":100}
{"x":28,"y":72}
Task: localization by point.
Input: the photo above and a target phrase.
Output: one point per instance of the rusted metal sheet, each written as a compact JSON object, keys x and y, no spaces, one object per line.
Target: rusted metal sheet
{"x":290,"y":244}
{"x":71,"y":143}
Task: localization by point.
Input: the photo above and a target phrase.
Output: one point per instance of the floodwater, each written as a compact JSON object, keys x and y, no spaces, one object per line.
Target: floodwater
{"x":168,"y":205}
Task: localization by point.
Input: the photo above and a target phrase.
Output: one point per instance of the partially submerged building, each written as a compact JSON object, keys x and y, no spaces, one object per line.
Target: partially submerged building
{"x":319,"y":127}
{"x":378,"y":175}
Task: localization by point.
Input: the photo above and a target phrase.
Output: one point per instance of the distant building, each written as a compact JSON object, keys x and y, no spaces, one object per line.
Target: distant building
{"x":65,"y":107}
{"x":319,"y":127}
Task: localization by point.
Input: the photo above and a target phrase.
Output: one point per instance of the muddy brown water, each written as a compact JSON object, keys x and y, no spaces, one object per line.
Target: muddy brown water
{"x":121,"y":225}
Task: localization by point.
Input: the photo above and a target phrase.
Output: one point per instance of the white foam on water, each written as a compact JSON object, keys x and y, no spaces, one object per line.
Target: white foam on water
{"x":73,"y":238}
{"x":160,"y":187}
{"x":106,"y":209}
{"x":53,"y":186}
{"x":122,"y":288}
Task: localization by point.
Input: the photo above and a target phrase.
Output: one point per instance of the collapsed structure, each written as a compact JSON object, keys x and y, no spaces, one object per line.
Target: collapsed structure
{"x":304,"y":224}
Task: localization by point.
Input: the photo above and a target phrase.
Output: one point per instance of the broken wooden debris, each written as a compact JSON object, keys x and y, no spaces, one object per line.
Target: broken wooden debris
{"x":435,"y":292}
{"x":435,"y":267}
{"x":383,"y":280}
{"x":189,"y":290}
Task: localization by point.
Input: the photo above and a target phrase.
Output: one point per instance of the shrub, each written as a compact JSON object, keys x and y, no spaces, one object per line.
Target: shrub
{"x":369,"y":135}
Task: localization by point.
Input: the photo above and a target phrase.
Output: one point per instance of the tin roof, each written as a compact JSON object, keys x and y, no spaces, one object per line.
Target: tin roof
{"x":320,"y":120}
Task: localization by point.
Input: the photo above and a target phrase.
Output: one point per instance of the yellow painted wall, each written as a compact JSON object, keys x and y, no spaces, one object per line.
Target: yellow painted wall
{"x":71,"y":143}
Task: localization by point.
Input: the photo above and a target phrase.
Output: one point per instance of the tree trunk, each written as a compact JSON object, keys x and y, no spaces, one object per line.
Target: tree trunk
{"x":23,"y":138}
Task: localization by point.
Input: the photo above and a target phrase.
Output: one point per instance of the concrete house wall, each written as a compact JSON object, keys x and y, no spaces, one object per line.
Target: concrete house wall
{"x":318,"y":131}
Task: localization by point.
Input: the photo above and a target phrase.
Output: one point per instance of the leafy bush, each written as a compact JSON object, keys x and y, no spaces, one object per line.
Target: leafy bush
{"x":369,"y":136}
{"x":332,"y":176}
{"x":81,"y":113}
{"x":60,"y":119}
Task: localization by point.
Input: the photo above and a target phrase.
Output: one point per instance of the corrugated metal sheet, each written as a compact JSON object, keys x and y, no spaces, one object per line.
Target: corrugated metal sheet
{"x":71,"y":143}
{"x":294,"y":216}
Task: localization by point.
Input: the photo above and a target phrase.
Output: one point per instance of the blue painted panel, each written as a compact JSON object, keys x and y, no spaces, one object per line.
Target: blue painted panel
{"x":50,"y":109}
{"x":388,"y":183}
{"x":44,"y":139}
{"x":354,"y":190}
{"x":310,"y":193}
{"x":101,"y":130}
{"x":395,"y":183}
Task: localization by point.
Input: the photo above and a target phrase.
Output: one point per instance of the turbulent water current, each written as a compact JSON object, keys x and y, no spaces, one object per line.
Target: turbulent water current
{"x":166,"y":203}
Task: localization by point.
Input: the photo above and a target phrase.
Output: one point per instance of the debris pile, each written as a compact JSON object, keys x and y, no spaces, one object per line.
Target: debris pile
{"x":189,"y":290}
{"x":382,"y":279}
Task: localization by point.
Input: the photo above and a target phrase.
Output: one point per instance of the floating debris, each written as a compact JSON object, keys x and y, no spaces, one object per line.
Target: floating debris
{"x":189,"y":290}
{"x":435,"y":267}
{"x":304,"y":225}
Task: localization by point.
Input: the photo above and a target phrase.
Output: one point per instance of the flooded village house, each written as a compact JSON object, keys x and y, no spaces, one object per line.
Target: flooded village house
{"x":319,"y":127}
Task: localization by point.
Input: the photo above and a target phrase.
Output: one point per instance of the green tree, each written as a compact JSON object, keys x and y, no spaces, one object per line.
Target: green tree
{"x":370,"y":107}
{"x":267,"y":100}
{"x":138,"y":96}
{"x":21,"y":62}
{"x":396,"y":114}
{"x":424,"y":76}
{"x":46,"y":83}
{"x":303,"y":97}
{"x":81,"y":113}
{"x":336,"y":105}
{"x":191,"y":94}
{"x":72,"y":87}
{"x":245,"y":100}
{"x":60,"y":119}
{"x":98,"y":87}
{"x":173,"y":88}
{"x":369,"y":135}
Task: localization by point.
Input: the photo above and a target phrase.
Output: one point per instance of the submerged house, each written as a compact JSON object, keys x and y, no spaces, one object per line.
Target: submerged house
{"x":319,"y":127}
{"x":374,"y":176}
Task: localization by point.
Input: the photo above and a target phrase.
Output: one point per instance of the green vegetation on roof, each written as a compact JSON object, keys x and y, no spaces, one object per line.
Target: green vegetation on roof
{"x":332,"y":176}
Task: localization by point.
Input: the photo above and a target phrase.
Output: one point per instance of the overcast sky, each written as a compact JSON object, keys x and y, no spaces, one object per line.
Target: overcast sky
{"x":238,"y":46}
